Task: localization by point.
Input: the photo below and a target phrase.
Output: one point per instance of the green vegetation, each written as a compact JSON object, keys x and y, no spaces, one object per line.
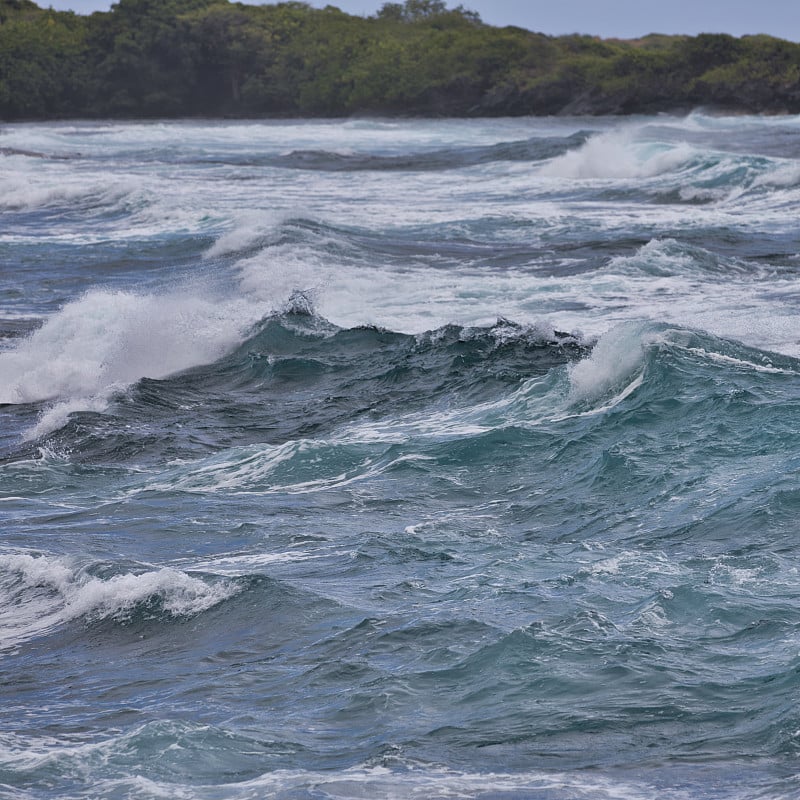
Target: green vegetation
{"x":166,"y":58}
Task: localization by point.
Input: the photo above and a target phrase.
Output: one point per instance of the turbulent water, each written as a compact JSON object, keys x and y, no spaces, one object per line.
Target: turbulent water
{"x":400,"y":459}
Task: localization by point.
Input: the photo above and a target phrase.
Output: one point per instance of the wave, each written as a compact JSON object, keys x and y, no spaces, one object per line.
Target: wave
{"x":405,"y":778}
{"x":403,"y":278}
{"x":782,"y":175}
{"x":15,"y":151}
{"x":310,"y":245}
{"x":41,"y":593}
{"x":298,"y":404}
{"x":349,"y":159}
{"x":533,"y":149}
{"x":668,"y":257}
{"x":263,"y":389}
{"x":107,"y":340}
{"x":53,"y":203}
{"x":379,"y":425}
{"x":618,"y":154}
{"x":669,"y":171}
{"x":111,"y":338}
{"x":20,"y":193}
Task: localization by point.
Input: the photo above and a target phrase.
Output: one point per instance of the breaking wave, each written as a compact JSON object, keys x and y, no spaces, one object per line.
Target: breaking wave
{"x":40,"y":593}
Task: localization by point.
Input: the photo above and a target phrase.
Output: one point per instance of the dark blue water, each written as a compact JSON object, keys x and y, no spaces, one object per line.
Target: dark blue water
{"x":420,"y":459}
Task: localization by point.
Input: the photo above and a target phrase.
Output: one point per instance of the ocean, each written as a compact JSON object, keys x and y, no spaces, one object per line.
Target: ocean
{"x":412,"y":458}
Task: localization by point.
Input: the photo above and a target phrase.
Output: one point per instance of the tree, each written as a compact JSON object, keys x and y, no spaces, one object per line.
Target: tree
{"x":42,"y":63}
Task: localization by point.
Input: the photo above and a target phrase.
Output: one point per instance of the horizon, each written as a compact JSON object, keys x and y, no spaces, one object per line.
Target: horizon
{"x":622,"y":19}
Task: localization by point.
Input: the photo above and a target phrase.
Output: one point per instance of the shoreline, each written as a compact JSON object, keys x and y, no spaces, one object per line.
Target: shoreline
{"x":677,"y":112}
{"x":213,"y":58}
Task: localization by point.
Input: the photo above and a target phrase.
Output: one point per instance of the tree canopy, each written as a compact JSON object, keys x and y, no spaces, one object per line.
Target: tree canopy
{"x":169,"y":58}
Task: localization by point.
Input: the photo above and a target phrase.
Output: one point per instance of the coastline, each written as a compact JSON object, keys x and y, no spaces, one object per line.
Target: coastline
{"x":214,"y":59}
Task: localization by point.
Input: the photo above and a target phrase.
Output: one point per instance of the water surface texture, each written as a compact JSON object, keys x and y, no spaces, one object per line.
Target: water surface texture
{"x":400,"y":459}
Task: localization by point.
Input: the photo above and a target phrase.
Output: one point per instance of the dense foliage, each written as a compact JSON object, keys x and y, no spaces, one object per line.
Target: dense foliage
{"x":214,"y":57}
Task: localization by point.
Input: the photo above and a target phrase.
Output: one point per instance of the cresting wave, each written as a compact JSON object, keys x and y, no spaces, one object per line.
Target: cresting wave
{"x":634,"y":370}
{"x":618,"y":154}
{"x":364,"y":370}
{"x":103,"y":343}
{"x":416,"y":404}
{"x":40,"y":593}
{"x":528,"y":150}
{"x":107,"y":340}
{"x":671,"y":171}
{"x":77,"y":363}
{"x":21,"y":196}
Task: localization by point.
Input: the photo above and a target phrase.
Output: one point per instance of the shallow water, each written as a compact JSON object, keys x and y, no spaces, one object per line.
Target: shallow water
{"x":400,"y":459}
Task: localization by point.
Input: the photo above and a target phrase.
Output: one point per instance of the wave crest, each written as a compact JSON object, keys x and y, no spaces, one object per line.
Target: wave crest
{"x":617,"y":154}
{"x":40,"y":593}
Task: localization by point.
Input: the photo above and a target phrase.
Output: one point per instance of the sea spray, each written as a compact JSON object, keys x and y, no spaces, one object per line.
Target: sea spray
{"x":615,"y":359}
{"x":618,"y":154}
{"x":107,"y":340}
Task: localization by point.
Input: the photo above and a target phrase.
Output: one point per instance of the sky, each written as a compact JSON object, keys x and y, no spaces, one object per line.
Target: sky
{"x":612,"y":18}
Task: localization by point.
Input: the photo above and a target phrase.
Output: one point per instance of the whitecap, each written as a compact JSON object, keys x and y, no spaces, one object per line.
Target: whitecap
{"x":617,"y":356}
{"x":39,"y":593}
{"x":107,"y":340}
{"x":618,"y":154}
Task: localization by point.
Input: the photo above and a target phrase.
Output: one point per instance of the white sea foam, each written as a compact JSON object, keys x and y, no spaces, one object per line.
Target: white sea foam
{"x":617,"y":154}
{"x":618,"y":355}
{"x":58,"y":414}
{"x":238,"y":468}
{"x":431,"y":783}
{"x":108,"y":339}
{"x":662,"y":257}
{"x":295,"y":467}
{"x":739,"y":363}
{"x":784,"y":174}
{"x":233,"y":566}
{"x":672,"y":282}
{"x":271,"y":276}
{"x":39,"y":593}
{"x":410,"y":781}
{"x":249,"y":229}
{"x":17,"y":194}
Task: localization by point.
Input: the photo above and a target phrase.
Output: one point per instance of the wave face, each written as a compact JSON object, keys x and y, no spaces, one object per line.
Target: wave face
{"x":400,"y":459}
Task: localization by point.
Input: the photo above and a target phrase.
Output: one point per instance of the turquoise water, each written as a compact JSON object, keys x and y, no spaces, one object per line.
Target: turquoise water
{"x":417,"y":459}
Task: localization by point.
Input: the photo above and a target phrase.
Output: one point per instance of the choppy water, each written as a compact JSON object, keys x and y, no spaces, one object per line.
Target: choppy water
{"x":419,"y":459}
